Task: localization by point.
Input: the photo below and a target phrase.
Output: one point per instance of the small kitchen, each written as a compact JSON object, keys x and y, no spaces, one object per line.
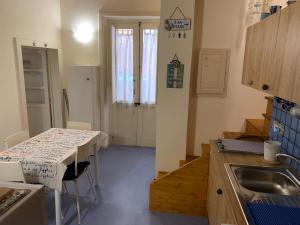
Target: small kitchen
{"x":263,"y":187}
{"x":181,"y":112}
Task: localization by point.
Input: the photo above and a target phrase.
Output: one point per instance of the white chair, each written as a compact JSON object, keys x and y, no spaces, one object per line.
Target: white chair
{"x":76,"y":169}
{"x":78,"y":125}
{"x":81,"y":126}
{"x":11,"y":171}
{"x":16,"y":138}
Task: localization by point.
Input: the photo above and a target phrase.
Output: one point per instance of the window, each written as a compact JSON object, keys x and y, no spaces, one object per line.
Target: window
{"x":134,"y":80}
{"x":124,"y":65}
{"x":149,"y":67}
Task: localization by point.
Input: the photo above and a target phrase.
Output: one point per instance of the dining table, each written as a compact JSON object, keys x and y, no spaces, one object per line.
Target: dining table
{"x":45,"y":157}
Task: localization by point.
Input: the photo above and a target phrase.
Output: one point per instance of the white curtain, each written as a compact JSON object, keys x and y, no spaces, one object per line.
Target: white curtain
{"x":149,"y":67}
{"x":124,"y":66}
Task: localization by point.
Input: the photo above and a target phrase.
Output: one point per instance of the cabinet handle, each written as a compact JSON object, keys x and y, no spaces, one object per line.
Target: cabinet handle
{"x":265,"y":87}
{"x":219,"y":191}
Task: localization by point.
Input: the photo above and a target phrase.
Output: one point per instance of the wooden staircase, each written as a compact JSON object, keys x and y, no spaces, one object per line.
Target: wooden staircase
{"x":256,"y":129}
{"x":184,"y":190}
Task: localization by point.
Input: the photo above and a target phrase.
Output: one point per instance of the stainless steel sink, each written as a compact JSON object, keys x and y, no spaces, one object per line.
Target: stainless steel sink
{"x":267,"y":185}
{"x":267,"y":180}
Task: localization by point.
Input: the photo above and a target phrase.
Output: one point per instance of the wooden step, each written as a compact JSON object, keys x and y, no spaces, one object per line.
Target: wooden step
{"x":267,"y":117}
{"x":269,"y":106}
{"x":183,"y":191}
{"x":244,"y":136}
{"x":161,"y":174}
{"x":205,"y":151}
{"x":189,"y":158}
{"x":255,"y":126}
{"x":268,"y":123}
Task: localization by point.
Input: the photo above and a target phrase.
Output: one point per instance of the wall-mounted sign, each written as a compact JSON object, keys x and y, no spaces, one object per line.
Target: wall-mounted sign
{"x":175,"y":71}
{"x":177,"y":26}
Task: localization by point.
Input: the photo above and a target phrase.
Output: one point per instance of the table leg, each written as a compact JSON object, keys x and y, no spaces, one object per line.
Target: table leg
{"x":96,"y":166}
{"x":58,"y":207}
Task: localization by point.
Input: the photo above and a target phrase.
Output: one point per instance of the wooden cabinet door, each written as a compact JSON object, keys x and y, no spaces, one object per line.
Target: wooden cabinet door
{"x":272,"y":54}
{"x":212,"y":197}
{"x":268,"y":38}
{"x":259,"y":54}
{"x":287,"y":51}
{"x":252,"y":52}
{"x":295,"y":12}
{"x":225,"y":211}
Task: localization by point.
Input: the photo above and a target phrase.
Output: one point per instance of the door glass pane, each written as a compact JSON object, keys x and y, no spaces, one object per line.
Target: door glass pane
{"x":149,"y":67}
{"x":124,"y":66}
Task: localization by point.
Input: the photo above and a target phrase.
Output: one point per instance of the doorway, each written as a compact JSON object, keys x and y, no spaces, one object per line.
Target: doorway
{"x":39,"y":86}
{"x":133,"y":82}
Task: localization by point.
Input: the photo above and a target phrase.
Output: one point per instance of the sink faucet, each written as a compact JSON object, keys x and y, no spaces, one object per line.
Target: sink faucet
{"x":288,"y":156}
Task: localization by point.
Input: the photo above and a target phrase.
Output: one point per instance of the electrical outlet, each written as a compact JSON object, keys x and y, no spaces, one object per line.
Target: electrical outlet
{"x":278,"y":127}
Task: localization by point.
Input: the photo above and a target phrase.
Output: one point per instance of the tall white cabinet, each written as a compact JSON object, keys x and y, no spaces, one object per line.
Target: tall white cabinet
{"x":84,"y":94}
{"x":38,"y":95}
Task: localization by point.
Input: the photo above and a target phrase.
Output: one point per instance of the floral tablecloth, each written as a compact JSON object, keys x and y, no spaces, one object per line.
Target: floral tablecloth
{"x":43,"y":157}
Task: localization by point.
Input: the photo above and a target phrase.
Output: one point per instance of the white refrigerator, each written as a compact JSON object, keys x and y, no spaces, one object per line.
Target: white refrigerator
{"x":83,"y":95}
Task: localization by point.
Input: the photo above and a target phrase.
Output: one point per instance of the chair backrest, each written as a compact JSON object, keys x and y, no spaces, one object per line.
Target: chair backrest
{"x":16,"y":138}
{"x":11,"y":171}
{"x":79,"y":125}
{"x":82,"y":154}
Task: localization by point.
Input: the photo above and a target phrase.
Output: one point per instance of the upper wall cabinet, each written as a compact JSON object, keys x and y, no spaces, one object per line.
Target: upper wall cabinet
{"x":259,"y":54}
{"x":272,"y":54}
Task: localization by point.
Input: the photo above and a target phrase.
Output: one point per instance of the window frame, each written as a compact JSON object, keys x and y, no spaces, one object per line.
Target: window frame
{"x":138,"y":26}
{"x":145,"y":26}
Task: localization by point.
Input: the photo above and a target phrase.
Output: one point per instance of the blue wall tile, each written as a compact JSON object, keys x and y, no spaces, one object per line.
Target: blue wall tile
{"x":292,"y":136}
{"x":288,"y":120}
{"x":294,"y":124}
{"x":290,"y":149}
{"x":297,"y":151}
{"x":298,"y":140}
{"x":290,"y":140}
{"x":278,"y":114}
{"x":284,"y":143}
{"x":282,"y":118}
{"x":286,"y":132}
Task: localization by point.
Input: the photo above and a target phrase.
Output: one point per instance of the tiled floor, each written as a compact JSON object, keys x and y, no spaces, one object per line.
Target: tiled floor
{"x":123,"y":195}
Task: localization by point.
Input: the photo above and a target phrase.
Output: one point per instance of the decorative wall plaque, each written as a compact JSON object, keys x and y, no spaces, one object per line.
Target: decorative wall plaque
{"x":177,"y":27}
{"x":175,"y":73}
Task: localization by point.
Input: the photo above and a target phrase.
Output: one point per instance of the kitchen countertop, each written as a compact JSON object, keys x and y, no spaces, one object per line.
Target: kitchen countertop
{"x":234,"y":158}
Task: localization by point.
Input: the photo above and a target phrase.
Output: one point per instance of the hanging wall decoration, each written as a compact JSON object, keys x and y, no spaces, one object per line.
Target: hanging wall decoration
{"x":177,"y":27}
{"x":175,"y":73}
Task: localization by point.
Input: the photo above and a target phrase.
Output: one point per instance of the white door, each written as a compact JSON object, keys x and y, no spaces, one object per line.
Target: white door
{"x":37,"y":90}
{"x":83,"y":89}
{"x":134,"y":60}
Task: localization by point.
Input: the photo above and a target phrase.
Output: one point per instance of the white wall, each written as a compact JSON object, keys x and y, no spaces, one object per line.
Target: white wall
{"x":173,"y":104}
{"x":31,"y":19}
{"x":224,"y":27}
{"x":76,"y":11}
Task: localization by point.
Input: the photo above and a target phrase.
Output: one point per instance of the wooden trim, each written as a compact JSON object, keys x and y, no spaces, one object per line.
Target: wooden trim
{"x":130,"y":14}
{"x":19,"y":43}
